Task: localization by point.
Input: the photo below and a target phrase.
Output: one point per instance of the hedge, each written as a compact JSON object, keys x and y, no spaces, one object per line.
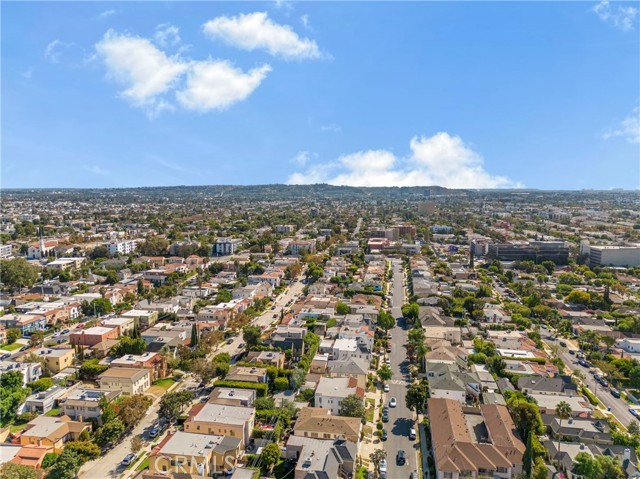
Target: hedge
{"x":261,"y":389}
{"x":533,"y":360}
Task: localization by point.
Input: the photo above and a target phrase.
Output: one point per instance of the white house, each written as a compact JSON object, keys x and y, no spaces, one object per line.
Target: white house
{"x":629,"y":345}
{"x":331,"y":391}
{"x":121,"y":247}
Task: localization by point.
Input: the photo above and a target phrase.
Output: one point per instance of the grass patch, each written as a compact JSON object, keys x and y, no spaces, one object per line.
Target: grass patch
{"x":371,"y":407}
{"x":143,"y":465}
{"x":17,"y":427}
{"x":165,"y":383}
{"x":11,"y":347}
{"x":53,"y":413}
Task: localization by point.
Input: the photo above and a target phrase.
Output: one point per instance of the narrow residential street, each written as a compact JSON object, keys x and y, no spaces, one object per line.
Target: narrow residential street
{"x":618,"y":407}
{"x":401,"y":419}
{"x":108,"y":466}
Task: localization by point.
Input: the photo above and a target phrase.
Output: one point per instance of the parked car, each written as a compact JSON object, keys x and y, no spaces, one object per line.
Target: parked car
{"x":387,"y":361}
{"x":383,"y":435}
{"x":401,"y":458}
{"x":572,"y":352}
{"x":634,"y":412}
{"x":55,"y":335}
{"x":386,"y":388}
{"x":412,"y":434}
{"x":128,"y":459}
{"x":5,"y":356}
{"x":65,"y":331}
{"x":383,"y":466}
{"x":604,"y":383}
{"x":563,"y":344}
{"x":230,"y":340}
{"x":385,"y":416}
{"x":155,"y":430}
{"x":241,"y":345}
{"x":615,"y":393}
{"x":393,"y":402}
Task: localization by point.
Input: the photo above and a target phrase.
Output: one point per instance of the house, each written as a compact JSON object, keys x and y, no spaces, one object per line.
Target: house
{"x":30,"y":456}
{"x":52,"y":431}
{"x":125,"y":380}
{"x":289,"y":338}
{"x":30,"y":371}
{"x":331,"y":391}
{"x":145,"y":317}
{"x":199,"y":454}
{"x":26,"y":323}
{"x":462,"y":451}
{"x":84,"y":404}
{"x":495,"y":315}
{"x":154,"y":362}
{"x":232,"y":396}
{"x":456,"y":386}
{"x":273,"y":358}
{"x":348,"y":348}
{"x":547,"y":403}
{"x":249,"y":374}
{"x":579,"y":429}
{"x":318,"y":423}
{"x":564,"y":454}
{"x":55,"y":360}
{"x":223,"y":419}
{"x":294,"y":248}
{"x":321,"y":459}
{"x":124,"y":325}
{"x":92,"y":336}
{"x":545,"y":385}
{"x":44,"y":401}
{"x":630,"y":345}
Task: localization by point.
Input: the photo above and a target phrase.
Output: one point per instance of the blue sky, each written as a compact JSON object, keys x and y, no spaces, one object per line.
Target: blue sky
{"x":477,"y":95}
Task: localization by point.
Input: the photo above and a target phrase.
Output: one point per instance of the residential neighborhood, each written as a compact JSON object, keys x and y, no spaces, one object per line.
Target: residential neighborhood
{"x":439,"y":334}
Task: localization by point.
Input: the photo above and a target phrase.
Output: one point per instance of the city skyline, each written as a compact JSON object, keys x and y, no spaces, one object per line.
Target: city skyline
{"x":487,"y":95}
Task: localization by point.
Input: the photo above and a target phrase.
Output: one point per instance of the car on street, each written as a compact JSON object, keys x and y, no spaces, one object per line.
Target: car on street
{"x":393,"y":402}
{"x":128,"y":459}
{"x":56,"y":335}
{"x":389,"y":348}
{"x":385,"y":416}
{"x":383,"y":466}
{"x":387,"y":361}
{"x":563,"y":344}
{"x":414,"y":475}
{"x":386,"y":388}
{"x":230,"y":340}
{"x":5,"y":356}
{"x":615,"y":393}
{"x":583,"y":363}
{"x":604,"y":383}
{"x":241,"y":345}
{"x":155,"y":430}
{"x":412,"y":434}
{"x":634,"y":412}
{"x":383,"y":435}
{"x":572,"y":352}
{"x":597,"y":377}
{"x":401,"y":458}
{"x":65,"y":331}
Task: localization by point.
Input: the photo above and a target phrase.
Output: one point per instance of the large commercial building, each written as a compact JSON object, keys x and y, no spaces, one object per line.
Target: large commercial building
{"x":538,"y":251}
{"x":617,"y":256}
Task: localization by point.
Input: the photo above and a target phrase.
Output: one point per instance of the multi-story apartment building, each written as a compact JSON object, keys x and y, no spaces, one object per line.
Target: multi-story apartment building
{"x":121,"y":247}
{"x":226,"y":246}
{"x":125,"y":380}
{"x":538,"y":251}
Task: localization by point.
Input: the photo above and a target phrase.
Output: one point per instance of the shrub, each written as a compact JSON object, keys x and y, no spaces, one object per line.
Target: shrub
{"x":261,"y":389}
{"x":281,"y":384}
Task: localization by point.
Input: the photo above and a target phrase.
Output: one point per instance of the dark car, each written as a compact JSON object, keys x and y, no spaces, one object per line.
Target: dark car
{"x":414,"y":475}
{"x":5,"y":356}
{"x":604,"y":383}
{"x":563,"y":344}
{"x":615,"y":393}
{"x":385,"y":416}
{"x":572,"y":352}
{"x":384,"y":435}
{"x":401,"y":458}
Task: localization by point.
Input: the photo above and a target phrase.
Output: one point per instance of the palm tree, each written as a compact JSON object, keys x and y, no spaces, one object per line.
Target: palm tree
{"x":563,"y":411}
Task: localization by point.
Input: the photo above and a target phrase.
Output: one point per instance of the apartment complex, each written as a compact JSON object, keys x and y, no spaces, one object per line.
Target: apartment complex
{"x":537,"y":251}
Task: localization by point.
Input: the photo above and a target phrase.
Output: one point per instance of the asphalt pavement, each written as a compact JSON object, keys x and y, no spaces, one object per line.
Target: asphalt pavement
{"x":401,"y":419}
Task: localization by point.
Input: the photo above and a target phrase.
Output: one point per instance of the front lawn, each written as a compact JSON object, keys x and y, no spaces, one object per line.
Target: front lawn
{"x":143,"y":465}
{"x":11,"y":347}
{"x":53,"y":413}
{"x":165,"y":383}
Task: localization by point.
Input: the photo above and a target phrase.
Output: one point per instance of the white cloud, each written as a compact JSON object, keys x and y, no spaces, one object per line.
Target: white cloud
{"x":144,"y":70}
{"x":303,"y":157}
{"x":96,"y":170}
{"x":256,"y":31}
{"x":55,"y":49}
{"x":621,"y":17}
{"x":28,"y":74}
{"x":305,"y":21}
{"x":332,"y":127}
{"x":167,"y":35}
{"x":628,"y":128}
{"x":215,"y":85}
{"x":107,"y":13}
{"x":441,"y":159}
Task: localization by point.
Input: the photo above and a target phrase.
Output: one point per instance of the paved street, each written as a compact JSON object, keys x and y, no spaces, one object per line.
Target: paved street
{"x":619,"y":408}
{"x":400,"y":418}
{"x":109,"y":465}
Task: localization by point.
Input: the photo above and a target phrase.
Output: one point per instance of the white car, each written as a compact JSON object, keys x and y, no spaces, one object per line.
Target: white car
{"x":383,"y":466}
{"x":393,"y":402}
{"x":387,"y":361}
{"x":386,"y":388}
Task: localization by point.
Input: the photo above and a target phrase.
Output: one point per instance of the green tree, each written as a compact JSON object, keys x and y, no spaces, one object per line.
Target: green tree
{"x":251,"y":335}
{"x":270,"y":455}
{"x":411,"y":311}
{"x":10,"y":470}
{"x":342,"y":308}
{"x":281,"y":384}
{"x":194,"y":335}
{"x":66,"y":467}
{"x":550,"y":266}
{"x":18,"y":273}
{"x":49,"y":459}
{"x":40,"y":385}
{"x":13,"y":334}
{"x":351,"y":406}
{"x":386,"y":321}
{"x":578,"y":297}
{"x":86,"y":450}
{"x":417,"y":396}
{"x":91,"y":369}
{"x":154,"y":246}
{"x":100,"y":306}
{"x":131,"y":409}
{"x":563,"y":411}
{"x":128,"y":345}
{"x":173,"y":403}
{"x":11,"y":380}
{"x":136,"y":443}
{"x":100,"y":251}
{"x":109,"y":432}
{"x":540,"y":470}
{"x":586,"y":465}
{"x":385,"y":373}
{"x":204,"y":370}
